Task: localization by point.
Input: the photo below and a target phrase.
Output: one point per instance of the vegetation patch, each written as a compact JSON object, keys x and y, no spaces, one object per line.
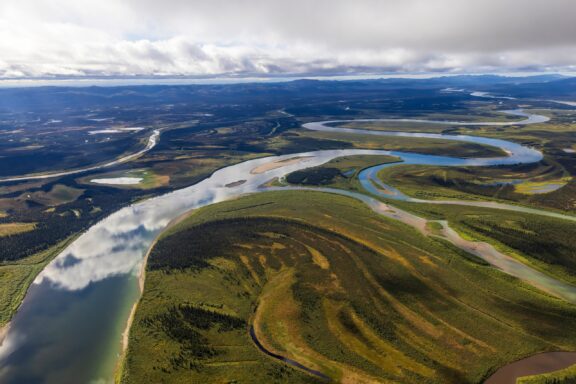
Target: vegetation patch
{"x":407,"y":144}
{"x":329,"y":284}
{"x":549,"y":244}
{"x":537,"y":187}
{"x":16,"y":277}
{"x":314,"y":176}
{"x":15,"y":228}
{"x":338,"y":173}
{"x":58,"y":194}
{"x":564,"y":376}
{"x":546,"y":184}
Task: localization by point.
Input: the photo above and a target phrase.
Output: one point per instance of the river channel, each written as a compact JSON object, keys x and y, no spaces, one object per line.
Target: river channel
{"x":70,"y":325}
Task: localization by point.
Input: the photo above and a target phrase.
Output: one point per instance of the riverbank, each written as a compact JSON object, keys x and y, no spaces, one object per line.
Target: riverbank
{"x":18,"y":276}
{"x":542,"y":363}
{"x":3,"y":332}
{"x":469,"y":315}
{"x":278,"y":164}
{"x":152,"y":141}
{"x":141,"y":282}
{"x":90,"y":265}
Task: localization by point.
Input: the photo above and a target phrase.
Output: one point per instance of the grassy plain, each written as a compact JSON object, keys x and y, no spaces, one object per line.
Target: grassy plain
{"x":59,"y":194}
{"x":177,"y":169}
{"x":481,"y":114}
{"x":15,"y":228}
{"x":332,"y":285}
{"x":546,"y":184}
{"x":406,"y":144}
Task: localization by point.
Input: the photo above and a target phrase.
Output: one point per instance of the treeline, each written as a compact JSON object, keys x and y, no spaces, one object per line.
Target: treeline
{"x":54,"y":227}
{"x":68,"y":152}
{"x":566,"y":380}
{"x":551,"y":241}
{"x":563,"y":198}
{"x":192,"y":247}
{"x":184,"y":324}
{"x":551,"y":380}
{"x":297,"y":144}
{"x":496,"y":190}
{"x":313,"y":176}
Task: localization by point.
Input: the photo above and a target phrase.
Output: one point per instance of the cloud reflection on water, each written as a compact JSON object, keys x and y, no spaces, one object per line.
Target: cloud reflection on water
{"x":115,"y":247}
{"x":117,"y":244}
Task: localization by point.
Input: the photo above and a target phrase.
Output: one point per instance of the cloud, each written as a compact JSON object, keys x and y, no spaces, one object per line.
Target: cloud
{"x":272,"y":37}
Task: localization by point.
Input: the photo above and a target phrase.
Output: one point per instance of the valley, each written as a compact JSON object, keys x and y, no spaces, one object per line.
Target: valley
{"x":354,"y":252}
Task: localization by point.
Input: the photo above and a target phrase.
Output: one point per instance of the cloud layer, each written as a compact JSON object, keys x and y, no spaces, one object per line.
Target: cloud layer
{"x":279,"y":37}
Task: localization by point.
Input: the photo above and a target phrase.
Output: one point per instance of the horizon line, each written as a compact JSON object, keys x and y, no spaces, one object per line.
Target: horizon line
{"x":119,"y":81}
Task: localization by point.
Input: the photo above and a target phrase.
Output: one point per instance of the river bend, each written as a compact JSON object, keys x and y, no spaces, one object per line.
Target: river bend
{"x":71,"y":321}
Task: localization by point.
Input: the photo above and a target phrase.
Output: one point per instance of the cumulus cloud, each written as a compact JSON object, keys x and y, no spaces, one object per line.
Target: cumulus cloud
{"x":279,"y":37}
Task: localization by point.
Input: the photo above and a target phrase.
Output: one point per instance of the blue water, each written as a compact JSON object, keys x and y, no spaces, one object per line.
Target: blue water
{"x":69,"y":326}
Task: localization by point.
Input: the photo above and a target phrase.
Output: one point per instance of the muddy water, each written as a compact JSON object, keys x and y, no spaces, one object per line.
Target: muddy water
{"x":533,"y":365}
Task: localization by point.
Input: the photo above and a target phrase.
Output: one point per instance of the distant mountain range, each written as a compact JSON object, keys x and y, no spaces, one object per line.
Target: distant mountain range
{"x":53,"y":97}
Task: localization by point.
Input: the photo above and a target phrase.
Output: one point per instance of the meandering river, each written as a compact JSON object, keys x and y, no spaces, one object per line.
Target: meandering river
{"x":70,"y":324}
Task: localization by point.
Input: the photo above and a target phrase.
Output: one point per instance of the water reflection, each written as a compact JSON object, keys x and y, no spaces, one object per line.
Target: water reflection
{"x":116,"y":245}
{"x":96,"y":275}
{"x":529,"y":119}
{"x":69,"y":326}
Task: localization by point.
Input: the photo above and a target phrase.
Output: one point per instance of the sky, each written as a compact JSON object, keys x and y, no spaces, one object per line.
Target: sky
{"x":279,"y":38}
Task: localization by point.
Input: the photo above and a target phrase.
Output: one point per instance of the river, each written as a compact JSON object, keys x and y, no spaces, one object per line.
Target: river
{"x":69,"y":327}
{"x":151,"y":143}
